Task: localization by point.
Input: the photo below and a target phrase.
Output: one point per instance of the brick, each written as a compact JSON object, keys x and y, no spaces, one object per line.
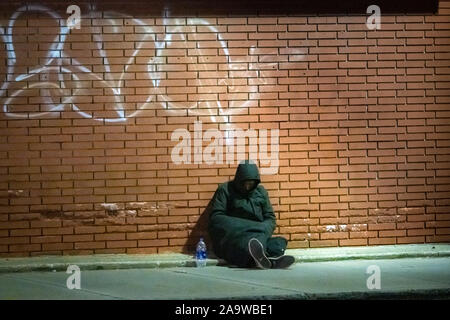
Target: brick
{"x":353,"y":242}
{"x":419,"y":232}
{"x":13,"y":225}
{"x":57,"y":246}
{"x":296,"y":229}
{"x":45,"y":224}
{"x":172,"y":234}
{"x":128,"y":228}
{"x":89,"y":229}
{"x":363,"y":234}
{"x":382,"y":226}
{"x":392,"y":233}
{"x":25,"y":232}
{"x":150,"y":250}
{"x":78,"y":238}
{"x":46,"y":239}
{"x":323,"y":243}
{"x":14,"y":240}
{"x":406,"y":240}
{"x":334,"y":235}
{"x":121,"y":244}
{"x":153,"y":243}
{"x":141,"y":235}
{"x":89,"y":245}
{"x":382,"y":241}
{"x":57,"y":231}
{"x":110,"y":236}
{"x":24,"y":247}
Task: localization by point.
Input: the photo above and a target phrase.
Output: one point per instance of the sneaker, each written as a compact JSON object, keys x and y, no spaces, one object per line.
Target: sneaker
{"x":282,"y":262}
{"x":256,"y":250}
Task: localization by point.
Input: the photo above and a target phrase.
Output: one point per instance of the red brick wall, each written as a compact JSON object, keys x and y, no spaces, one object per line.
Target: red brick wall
{"x":363,"y":118}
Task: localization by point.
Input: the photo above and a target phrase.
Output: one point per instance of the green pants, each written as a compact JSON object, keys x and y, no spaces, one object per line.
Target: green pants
{"x":239,"y":255}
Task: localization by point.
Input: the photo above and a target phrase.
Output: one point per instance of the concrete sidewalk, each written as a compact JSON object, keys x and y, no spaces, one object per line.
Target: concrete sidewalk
{"x":406,"y":272}
{"x":124,"y":261}
{"x":408,"y":278}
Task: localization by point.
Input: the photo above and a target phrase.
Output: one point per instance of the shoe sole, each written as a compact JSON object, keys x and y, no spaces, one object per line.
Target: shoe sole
{"x":256,"y":250}
{"x":282,"y":262}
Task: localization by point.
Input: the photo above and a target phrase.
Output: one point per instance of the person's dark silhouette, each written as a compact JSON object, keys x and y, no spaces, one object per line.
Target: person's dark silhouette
{"x":242,"y":221}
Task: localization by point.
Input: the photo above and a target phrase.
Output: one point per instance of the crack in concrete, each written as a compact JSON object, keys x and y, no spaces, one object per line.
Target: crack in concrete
{"x":209,"y":276}
{"x":51,"y":284}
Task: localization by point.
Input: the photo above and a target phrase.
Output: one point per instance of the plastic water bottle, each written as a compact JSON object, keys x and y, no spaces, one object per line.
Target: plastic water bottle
{"x":200,"y":254}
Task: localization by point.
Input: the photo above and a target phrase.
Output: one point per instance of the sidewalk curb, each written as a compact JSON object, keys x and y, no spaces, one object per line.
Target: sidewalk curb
{"x":98,"y":265}
{"x":408,"y":294}
{"x":375,"y":256}
{"x":124,"y":261}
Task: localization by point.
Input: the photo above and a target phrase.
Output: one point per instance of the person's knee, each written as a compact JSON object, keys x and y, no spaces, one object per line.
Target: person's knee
{"x":276,"y":246}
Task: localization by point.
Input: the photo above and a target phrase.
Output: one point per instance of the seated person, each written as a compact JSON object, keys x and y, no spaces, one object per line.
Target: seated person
{"x":242,"y":221}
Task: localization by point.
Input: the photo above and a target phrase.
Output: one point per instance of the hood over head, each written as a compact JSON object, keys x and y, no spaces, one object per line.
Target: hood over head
{"x":247,"y":170}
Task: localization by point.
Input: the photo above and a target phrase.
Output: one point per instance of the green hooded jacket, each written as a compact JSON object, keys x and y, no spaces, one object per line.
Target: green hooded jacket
{"x":236,"y":216}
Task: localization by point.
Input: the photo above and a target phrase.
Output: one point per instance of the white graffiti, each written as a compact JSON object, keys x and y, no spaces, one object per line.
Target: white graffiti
{"x":50,"y":76}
